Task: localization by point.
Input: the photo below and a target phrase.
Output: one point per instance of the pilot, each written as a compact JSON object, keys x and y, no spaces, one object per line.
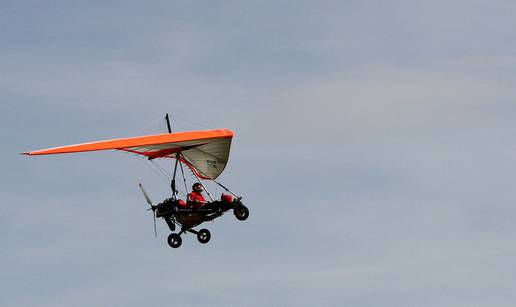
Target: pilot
{"x":195,"y":198}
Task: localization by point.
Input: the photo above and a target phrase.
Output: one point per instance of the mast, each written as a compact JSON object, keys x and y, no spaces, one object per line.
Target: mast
{"x":168,"y":124}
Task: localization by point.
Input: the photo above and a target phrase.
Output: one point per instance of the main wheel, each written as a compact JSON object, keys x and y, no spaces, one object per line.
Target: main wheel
{"x":241,"y":213}
{"x":204,"y":236}
{"x":174,"y":240}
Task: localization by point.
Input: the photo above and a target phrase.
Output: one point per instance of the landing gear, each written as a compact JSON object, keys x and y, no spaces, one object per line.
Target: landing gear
{"x":204,"y":236}
{"x":241,"y":212}
{"x":170,"y":223}
{"x":174,"y":240}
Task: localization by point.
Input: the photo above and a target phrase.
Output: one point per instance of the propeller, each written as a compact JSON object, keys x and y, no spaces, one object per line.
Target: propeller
{"x":152,"y":207}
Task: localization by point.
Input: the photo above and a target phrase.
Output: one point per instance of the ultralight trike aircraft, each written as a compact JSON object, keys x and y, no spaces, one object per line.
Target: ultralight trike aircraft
{"x":204,"y":152}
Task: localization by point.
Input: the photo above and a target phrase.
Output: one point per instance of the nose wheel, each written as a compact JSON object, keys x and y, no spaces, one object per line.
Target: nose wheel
{"x":204,"y":236}
{"x":241,"y":212}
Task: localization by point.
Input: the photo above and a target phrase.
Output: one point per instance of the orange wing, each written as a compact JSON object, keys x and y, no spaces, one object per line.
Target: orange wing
{"x":205,"y":152}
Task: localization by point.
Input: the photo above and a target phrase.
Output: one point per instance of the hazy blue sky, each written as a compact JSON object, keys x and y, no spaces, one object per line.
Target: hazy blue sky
{"x":374,"y":147}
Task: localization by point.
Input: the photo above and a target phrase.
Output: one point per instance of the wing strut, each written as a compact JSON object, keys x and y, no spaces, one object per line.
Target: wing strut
{"x":173,"y":182}
{"x":184,"y":179}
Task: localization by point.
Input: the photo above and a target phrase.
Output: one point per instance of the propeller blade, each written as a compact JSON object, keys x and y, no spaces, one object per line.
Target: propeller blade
{"x":153,"y":208}
{"x":145,"y":195}
{"x":155,"y":231}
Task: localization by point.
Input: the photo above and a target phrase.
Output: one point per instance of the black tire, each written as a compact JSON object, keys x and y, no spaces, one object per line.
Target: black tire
{"x":174,"y":240}
{"x":241,"y":213}
{"x":204,"y":236}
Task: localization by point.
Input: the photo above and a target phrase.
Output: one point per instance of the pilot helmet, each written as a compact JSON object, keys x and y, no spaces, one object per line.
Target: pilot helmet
{"x":197,"y":187}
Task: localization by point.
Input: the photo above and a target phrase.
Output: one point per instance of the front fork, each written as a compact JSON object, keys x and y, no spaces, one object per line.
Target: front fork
{"x":170,"y":223}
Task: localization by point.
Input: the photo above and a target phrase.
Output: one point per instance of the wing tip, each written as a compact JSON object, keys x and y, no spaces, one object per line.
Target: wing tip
{"x":227,"y":132}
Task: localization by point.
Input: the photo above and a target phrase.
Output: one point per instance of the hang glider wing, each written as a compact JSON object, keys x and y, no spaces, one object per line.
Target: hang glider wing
{"x":205,"y":152}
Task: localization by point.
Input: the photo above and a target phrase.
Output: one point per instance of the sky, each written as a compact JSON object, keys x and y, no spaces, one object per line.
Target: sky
{"x":373,"y":145}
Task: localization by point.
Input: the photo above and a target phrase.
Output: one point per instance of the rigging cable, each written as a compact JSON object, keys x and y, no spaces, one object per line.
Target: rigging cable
{"x":227,"y":190}
{"x":161,"y":170}
{"x":191,"y":122}
{"x":199,"y":181}
{"x":162,"y":175}
{"x":166,"y":176}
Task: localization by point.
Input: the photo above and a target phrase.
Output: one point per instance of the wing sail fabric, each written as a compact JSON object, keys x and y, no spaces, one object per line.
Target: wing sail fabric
{"x":205,"y":152}
{"x":210,"y":159}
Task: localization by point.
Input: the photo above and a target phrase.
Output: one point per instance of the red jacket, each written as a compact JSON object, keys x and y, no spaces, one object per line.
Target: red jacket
{"x":196,"y":198}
